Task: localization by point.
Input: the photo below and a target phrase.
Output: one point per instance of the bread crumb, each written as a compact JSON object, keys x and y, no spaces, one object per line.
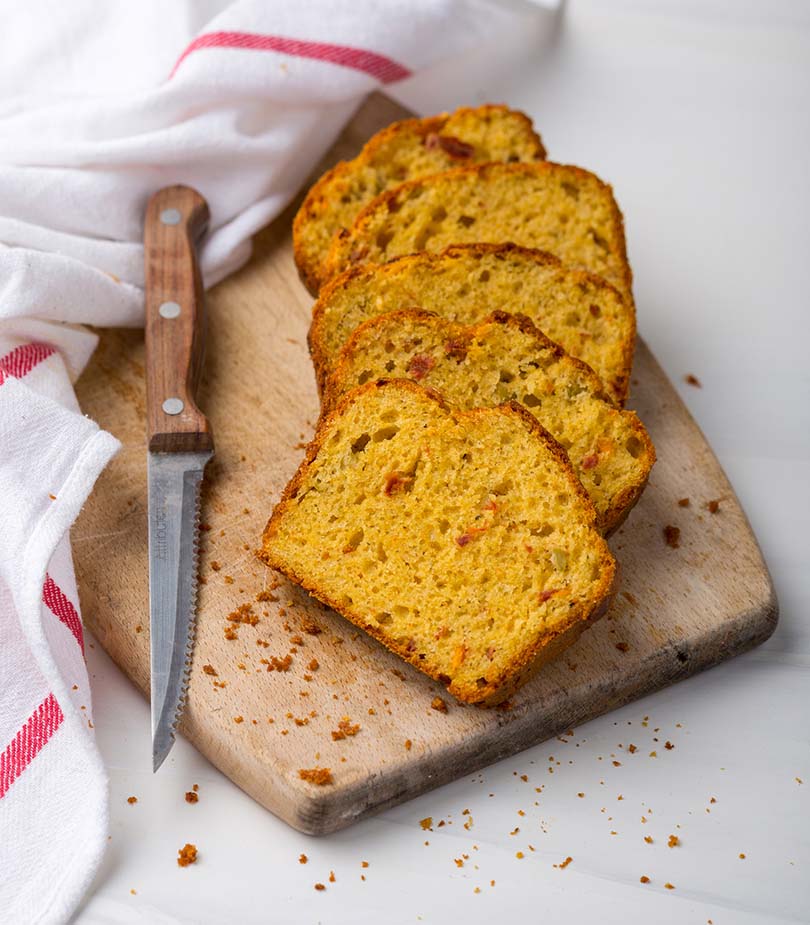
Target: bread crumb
{"x":345,"y":728}
{"x":713,"y":506}
{"x":563,"y":864}
{"x":364,"y":863}
{"x":187,"y":855}
{"x":228,"y":580}
{"x":684,"y":502}
{"x":215,"y":566}
{"x":408,"y":745}
{"x":580,"y":795}
{"x":519,"y":855}
{"x":673,"y":842}
{"x":319,"y":776}
{"x":302,"y":859}
{"x":622,"y":647}
{"x":313,"y":665}
{"x":653,"y":754}
{"x":209,"y":669}
{"x":320,"y":886}
{"x":243,"y":614}
{"x":132,"y":800}
{"x":643,"y":879}
{"x":139,"y":628}
{"x":669,"y":886}
{"x":427,"y":823}
{"x":742,"y":856}
{"x":438,"y":704}
{"x":691,"y":379}
{"x":668,"y":745}
{"x":648,"y":839}
{"x":192,"y":796}
{"x":672,"y":536}
{"x":331,"y":876}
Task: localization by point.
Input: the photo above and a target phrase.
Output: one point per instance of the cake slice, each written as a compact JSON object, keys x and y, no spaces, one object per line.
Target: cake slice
{"x":565,"y":210}
{"x":465,"y":283}
{"x":405,"y":151}
{"x":506,"y":358}
{"x":462,"y":540}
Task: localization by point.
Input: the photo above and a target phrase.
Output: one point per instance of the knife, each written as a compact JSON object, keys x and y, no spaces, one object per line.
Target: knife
{"x":180,"y":445}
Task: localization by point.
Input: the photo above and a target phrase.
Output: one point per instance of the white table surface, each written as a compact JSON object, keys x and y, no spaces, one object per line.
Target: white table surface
{"x":699,"y":114}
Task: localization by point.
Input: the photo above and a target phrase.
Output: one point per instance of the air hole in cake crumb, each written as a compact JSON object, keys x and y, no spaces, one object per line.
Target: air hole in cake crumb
{"x":531,"y":401}
{"x":384,"y":618}
{"x":382,"y":555}
{"x":383,"y":239}
{"x":572,"y":319}
{"x":633,"y":447}
{"x":390,"y":366}
{"x":570,"y":190}
{"x":385,"y":433}
{"x":466,"y":221}
{"x":444,"y":525}
{"x":440,"y":214}
{"x":354,"y":541}
{"x":505,"y":376}
{"x":363,"y":378}
{"x":361,"y":442}
{"x":481,"y":682}
{"x":484,"y":276}
{"x":503,"y":487}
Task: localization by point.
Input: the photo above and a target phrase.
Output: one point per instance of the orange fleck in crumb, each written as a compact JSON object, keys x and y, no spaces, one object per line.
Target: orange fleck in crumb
{"x":427,"y":823}
{"x":673,"y":842}
{"x":192,"y":796}
{"x":320,"y":776}
{"x":187,"y":855}
{"x":438,"y":704}
{"x":643,"y":879}
{"x":132,"y":800}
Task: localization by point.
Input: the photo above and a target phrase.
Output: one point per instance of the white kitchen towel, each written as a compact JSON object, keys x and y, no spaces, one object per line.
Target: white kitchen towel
{"x":102,"y":103}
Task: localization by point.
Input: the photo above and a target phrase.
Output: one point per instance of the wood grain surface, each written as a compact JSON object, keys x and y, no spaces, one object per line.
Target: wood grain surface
{"x":679,"y":611}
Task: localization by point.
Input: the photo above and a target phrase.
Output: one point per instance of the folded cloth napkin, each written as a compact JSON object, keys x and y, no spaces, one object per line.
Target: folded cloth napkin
{"x":100,"y":105}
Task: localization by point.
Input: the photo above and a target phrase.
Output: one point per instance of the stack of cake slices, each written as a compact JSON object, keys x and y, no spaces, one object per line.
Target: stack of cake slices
{"x":472,"y":340}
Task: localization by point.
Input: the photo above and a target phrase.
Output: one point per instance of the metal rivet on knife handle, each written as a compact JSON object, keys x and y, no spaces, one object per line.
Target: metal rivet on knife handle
{"x":173,"y":406}
{"x":169,"y":310}
{"x":170,"y":217}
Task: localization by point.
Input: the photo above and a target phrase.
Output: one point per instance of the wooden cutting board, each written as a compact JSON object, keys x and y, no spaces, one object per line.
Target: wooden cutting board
{"x":680,"y":610}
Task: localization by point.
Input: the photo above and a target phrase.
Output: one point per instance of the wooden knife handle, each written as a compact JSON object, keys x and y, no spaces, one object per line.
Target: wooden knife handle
{"x":176,"y":219}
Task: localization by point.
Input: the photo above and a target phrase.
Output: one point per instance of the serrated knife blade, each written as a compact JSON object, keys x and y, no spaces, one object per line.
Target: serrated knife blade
{"x":180,"y":446}
{"x":175,"y":480}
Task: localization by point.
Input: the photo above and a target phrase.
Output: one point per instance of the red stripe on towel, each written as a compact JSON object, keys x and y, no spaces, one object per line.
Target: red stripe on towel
{"x":378,"y":66}
{"x":21,"y":360}
{"x":59,"y":605}
{"x":29,"y":741}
